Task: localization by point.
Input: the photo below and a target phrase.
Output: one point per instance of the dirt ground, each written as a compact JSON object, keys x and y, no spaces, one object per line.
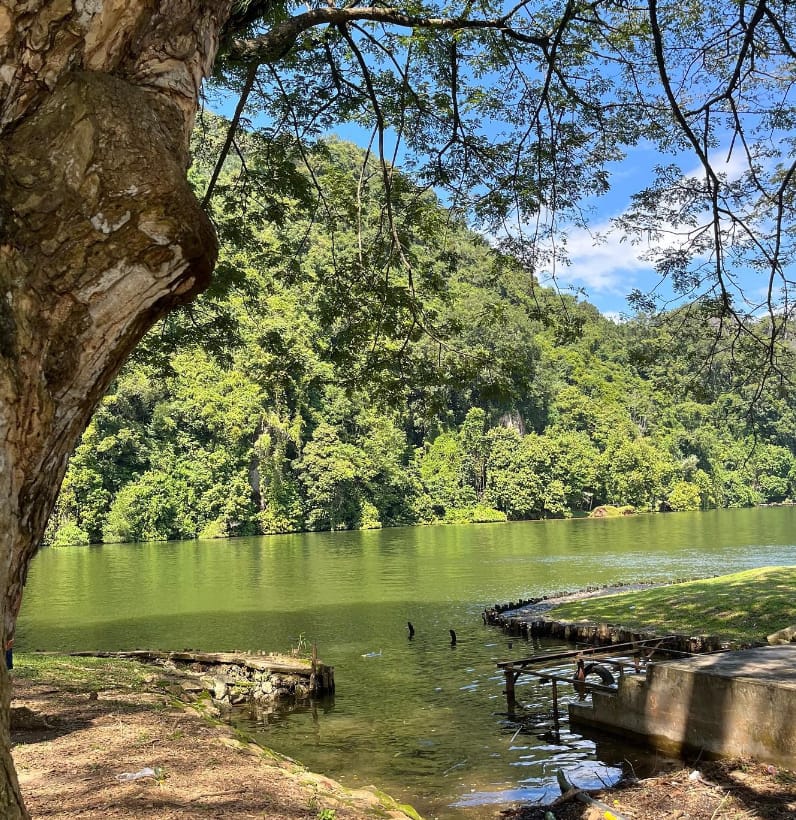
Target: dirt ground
{"x":708,"y":790}
{"x":71,"y":767}
{"x":77,"y":746}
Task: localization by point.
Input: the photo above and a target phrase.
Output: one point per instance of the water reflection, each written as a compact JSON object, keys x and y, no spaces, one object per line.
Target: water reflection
{"x":445,"y":741}
{"x":422,"y":719}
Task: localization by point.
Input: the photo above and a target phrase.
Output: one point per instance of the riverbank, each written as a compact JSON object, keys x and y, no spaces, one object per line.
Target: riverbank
{"x":743,"y":607}
{"x":711,"y":613}
{"x":705,"y":790}
{"x":738,"y":609}
{"x":108,"y":739}
{"x":77,"y":746}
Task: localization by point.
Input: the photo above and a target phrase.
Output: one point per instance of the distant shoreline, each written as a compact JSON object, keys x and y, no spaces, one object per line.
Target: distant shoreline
{"x":537,"y":606}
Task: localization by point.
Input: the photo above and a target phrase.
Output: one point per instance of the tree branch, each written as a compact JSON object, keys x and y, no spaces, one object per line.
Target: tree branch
{"x":276,"y":43}
{"x":233,"y":127}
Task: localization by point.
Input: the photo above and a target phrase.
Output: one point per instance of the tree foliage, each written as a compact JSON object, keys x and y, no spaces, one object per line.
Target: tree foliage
{"x":101,"y":237}
{"x":328,"y":411}
{"x":521,"y":114}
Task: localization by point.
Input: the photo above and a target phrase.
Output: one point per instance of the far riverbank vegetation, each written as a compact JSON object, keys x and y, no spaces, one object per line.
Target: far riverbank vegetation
{"x":320,"y":384}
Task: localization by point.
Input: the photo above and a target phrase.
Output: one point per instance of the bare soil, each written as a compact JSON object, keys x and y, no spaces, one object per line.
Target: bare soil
{"x":708,"y":790}
{"x":77,"y":745}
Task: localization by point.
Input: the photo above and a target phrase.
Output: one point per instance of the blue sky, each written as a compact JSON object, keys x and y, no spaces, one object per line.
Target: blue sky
{"x":602,"y":261}
{"x":604,"y":264}
{"x":606,"y":267}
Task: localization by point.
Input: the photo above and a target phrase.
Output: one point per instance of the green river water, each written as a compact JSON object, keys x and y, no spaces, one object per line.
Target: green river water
{"x":421,"y":719}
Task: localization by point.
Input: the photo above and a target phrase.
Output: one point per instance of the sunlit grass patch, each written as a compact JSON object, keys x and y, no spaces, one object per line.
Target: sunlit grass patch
{"x":745,"y":606}
{"x":81,"y":674}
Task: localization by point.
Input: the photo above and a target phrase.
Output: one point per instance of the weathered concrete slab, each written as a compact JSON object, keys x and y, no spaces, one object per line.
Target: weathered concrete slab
{"x":234,"y":677}
{"x":764,"y":664}
{"x":730,"y":704}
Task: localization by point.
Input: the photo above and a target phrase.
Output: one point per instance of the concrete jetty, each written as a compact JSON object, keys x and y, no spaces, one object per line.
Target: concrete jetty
{"x":237,"y":677}
{"x":737,"y":703}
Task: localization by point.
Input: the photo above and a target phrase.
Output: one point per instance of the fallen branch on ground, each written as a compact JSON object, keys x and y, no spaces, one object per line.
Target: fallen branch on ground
{"x":567,"y":788}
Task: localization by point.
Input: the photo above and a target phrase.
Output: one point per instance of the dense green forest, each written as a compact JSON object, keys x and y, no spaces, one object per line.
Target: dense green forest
{"x":362,"y":365}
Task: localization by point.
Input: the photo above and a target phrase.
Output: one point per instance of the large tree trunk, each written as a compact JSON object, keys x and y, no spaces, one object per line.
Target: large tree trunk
{"x":99,"y":234}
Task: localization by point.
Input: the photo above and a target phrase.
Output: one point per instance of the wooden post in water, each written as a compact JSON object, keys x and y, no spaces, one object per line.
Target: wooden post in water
{"x":555,"y":710}
{"x":314,"y":670}
{"x":511,"y":700}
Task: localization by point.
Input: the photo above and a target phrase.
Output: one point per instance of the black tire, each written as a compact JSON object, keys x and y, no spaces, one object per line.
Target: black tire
{"x":606,"y":678}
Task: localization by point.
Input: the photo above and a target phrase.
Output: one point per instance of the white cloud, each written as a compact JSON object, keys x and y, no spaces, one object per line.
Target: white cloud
{"x":614,"y":316}
{"x":605,"y":263}
{"x":734,"y":166}
{"x":601,"y":260}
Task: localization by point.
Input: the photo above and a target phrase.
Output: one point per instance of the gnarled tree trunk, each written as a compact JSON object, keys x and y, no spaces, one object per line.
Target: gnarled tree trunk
{"x":99,"y":234}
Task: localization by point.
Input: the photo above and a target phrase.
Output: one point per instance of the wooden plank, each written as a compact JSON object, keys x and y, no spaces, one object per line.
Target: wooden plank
{"x":540,"y":660}
{"x":261,"y":663}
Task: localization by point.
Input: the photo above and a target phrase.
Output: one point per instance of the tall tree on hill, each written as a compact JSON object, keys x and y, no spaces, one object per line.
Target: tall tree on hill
{"x":100,"y":234}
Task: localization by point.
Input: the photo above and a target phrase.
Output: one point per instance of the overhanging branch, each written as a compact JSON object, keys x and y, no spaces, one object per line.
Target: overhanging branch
{"x":277,"y":42}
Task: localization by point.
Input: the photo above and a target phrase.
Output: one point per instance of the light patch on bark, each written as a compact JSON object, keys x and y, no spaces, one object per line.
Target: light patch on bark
{"x":109,"y":28}
{"x":103,"y":225}
{"x":86,"y":9}
{"x":158,"y":230}
{"x":6,"y":26}
{"x":39,"y":33}
{"x":42,"y":40}
{"x":123,"y":284}
{"x":78,"y":149}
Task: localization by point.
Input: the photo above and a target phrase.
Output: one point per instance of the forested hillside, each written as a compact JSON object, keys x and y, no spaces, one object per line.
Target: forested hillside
{"x":356,"y":365}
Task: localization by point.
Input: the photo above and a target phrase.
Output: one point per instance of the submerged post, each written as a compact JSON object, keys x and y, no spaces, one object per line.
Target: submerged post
{"x":511,"y":700}
{"x":556,"y":726}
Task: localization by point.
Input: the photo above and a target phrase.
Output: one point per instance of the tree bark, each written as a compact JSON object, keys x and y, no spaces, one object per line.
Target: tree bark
{"x":100,"y":235}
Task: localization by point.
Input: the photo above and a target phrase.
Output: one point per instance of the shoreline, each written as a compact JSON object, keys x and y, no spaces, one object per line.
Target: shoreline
{"x":526,"y":619}
{"x":117,"y":743}
{"x":86,"y":737}
{"x":96,"y":719}
{"x":576,"y":515}
{"x":727,"y":789}
{"x":721,"y":611}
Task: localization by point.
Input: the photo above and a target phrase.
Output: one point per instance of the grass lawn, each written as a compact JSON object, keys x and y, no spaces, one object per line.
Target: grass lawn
{"x":79,"y":674}
{"x":745,"y":606}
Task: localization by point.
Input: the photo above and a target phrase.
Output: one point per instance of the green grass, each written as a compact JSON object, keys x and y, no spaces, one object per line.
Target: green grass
{"x":82,"y":674}
{"x":745,"y":606}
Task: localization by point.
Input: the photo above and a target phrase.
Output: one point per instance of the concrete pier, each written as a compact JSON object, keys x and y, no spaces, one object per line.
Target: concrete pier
{"x":726,"y":704}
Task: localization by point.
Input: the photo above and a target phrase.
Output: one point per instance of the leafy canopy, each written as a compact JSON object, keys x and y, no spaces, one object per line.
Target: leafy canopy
{"x":330,"y":411}
{"x":516,"y":114}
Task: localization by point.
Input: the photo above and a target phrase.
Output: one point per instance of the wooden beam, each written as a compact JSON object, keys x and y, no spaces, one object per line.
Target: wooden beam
{"x":608,"y":649}
{"x":591,"y":687}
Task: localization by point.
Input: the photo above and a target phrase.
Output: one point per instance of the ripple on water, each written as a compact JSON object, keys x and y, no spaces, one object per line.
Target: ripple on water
{"x":513,"y":795}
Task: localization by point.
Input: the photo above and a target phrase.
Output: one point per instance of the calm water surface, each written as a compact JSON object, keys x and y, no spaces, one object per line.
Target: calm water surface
{"x":419,"y":718}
